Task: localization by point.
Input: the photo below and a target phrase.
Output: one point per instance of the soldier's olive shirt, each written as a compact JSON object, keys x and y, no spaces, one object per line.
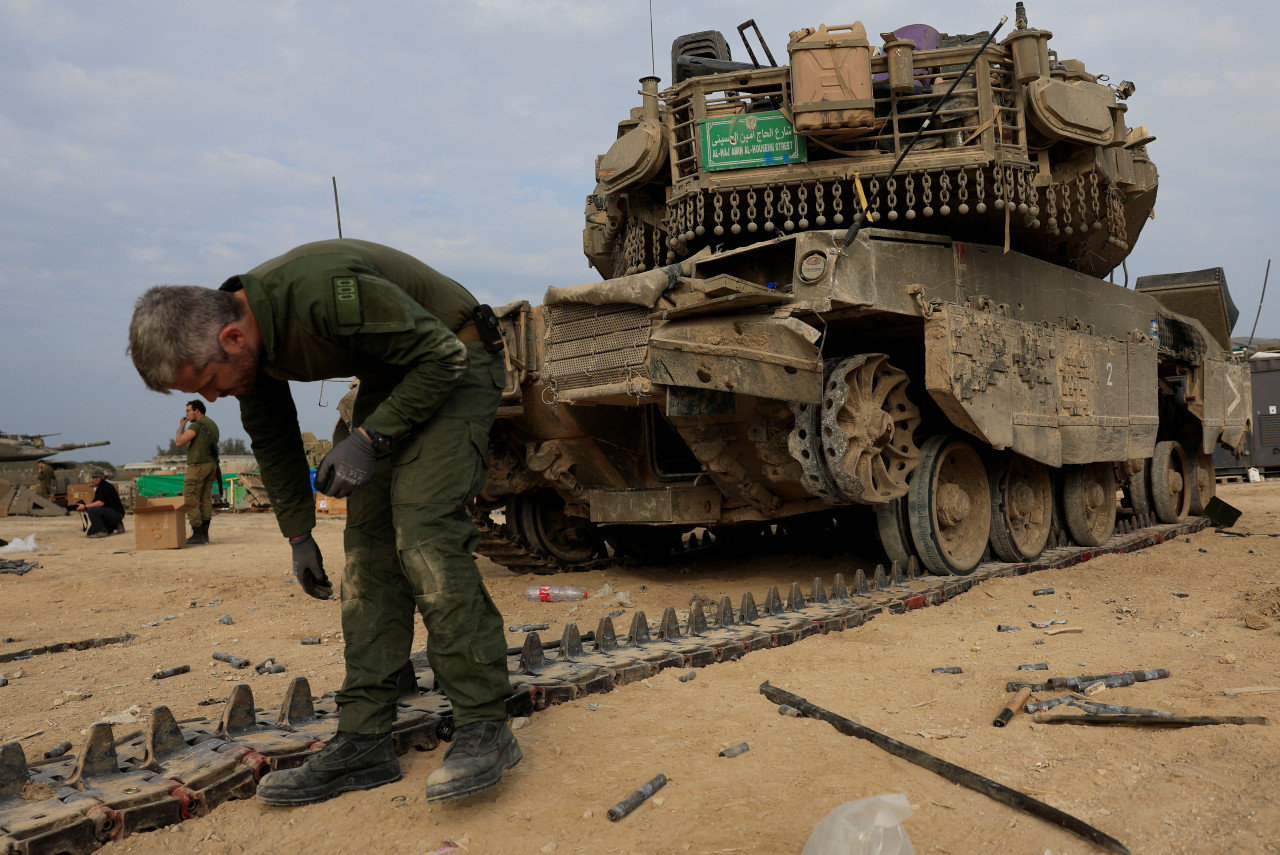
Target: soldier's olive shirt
{"x":200,"y":449}
{"x":339,"y":308}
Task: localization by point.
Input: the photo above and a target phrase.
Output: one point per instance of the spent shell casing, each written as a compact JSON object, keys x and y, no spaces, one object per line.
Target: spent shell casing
{"x":1004,"y":627}
{"x":233,"y":661}
{"x":954,"y":669}
{"x":529,"y":627}
{"x":1034,"y":666}
{"x":1040,"y":592}
{"x":170,"y":672}
{"x":735,"y":750}
{"x":311,"y":640}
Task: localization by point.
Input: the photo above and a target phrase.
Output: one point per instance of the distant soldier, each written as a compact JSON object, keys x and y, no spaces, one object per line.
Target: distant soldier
{"x":430,"y":383}
{"x":199,"y":435}
{"x":48,"y":480}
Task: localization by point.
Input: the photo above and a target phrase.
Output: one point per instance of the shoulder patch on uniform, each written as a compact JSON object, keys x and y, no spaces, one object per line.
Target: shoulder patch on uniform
{"x":346,"y":300}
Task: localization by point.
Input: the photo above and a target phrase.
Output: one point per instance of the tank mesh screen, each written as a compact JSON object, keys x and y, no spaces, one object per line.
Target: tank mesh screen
{"x":1180,"y":337}
{"x":596,"y":345}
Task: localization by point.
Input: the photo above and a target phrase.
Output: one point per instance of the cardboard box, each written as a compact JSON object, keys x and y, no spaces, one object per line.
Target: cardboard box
{"x":160,"y":522}
{"x":79,"y":493}
{"x":330,"y":505}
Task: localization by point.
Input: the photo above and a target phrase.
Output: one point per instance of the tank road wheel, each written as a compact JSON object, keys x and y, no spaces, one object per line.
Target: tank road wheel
{"x":1206,"y":483}
{"x":540,"y":518}
{"x":1089,"y":502}
{"x":895,"y":530}
{"x":1138,"y":489}
{"x":949,"y":506}
{"x":868,"y":425}
{"x":1021,"y":508}
{"x":1171,"y":482}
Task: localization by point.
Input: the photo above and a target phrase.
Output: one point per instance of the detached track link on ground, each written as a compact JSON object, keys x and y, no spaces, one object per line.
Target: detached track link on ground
{"x":173,"y":771}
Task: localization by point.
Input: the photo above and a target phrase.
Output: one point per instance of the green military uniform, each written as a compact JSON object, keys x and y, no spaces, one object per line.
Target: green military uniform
{"x":48,"y":481}
{"x":202,"y":467}
{"x":342,"y":307}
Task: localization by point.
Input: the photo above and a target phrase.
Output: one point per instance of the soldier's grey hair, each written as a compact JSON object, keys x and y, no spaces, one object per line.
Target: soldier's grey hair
{"x":177,"y":325}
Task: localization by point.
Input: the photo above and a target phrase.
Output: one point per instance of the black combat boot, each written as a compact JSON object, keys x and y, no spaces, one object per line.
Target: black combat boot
{"x":351,"y":761}
{"x":199,"y":534}
{"x":480,"y":753}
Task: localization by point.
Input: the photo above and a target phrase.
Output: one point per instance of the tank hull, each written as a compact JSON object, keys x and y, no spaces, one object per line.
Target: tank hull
{"x":798,"y":376}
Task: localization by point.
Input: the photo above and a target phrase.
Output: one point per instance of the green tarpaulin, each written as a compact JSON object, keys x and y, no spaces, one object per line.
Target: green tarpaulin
{"x":171,"y":485}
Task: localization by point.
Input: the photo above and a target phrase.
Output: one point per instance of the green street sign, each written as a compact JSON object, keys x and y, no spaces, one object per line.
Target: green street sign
{"x":749,"y":140}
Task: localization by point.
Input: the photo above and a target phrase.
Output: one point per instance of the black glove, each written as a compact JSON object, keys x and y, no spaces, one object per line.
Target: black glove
{"x":347,"y":467}
{"x":308,"y":566}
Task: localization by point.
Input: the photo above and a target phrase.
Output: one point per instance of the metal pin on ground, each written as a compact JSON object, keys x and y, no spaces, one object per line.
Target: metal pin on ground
{"x":636,"y":799}
{"x":57,"y":750}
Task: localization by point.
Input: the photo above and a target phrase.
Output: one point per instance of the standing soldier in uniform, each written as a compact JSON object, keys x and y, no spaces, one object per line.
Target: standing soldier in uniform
{"x":199,"y":434}
{"x":430,"y":384}
{"x":48,"y":480}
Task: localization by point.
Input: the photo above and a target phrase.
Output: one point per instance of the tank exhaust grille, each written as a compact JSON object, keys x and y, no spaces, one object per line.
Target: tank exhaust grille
{"x":596,"y":345}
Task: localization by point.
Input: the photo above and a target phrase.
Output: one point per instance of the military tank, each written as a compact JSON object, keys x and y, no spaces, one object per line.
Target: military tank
{"x":864,"y":289}
{"x":24,"y":447}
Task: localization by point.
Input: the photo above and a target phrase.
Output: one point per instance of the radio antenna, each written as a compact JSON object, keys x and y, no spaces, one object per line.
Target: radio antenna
{"x":653,"y":63}
{"x":336,"y":210}
{"x":862,"y":217}
{"x":1260,"y":299}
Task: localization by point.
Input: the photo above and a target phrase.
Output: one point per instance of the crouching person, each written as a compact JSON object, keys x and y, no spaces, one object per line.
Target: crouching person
{"x":105,"y":512}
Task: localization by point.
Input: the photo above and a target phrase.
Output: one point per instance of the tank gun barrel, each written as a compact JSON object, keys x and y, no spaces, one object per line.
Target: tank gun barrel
{"x":67,"y":446}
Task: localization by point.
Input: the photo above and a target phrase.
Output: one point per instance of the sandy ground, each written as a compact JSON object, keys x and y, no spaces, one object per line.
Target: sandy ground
{"x":1203,"y":790}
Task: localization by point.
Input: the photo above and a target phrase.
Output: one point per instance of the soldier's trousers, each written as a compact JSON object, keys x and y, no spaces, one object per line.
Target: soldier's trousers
{"x":197,"y":489}
{"x":409,"y":541}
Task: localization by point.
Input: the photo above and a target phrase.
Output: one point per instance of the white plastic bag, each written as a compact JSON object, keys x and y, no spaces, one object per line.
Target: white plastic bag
{"x":21,"y":544}
{"x":866,"y":827}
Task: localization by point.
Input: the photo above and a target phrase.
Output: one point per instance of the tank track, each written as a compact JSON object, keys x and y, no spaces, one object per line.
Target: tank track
{"x":116,"y":786}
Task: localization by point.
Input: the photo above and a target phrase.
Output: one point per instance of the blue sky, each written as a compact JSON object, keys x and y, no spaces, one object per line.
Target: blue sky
{"x":180,"y":142}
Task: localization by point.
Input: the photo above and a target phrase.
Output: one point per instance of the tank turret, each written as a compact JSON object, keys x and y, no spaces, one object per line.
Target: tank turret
{"x":991,"y":141}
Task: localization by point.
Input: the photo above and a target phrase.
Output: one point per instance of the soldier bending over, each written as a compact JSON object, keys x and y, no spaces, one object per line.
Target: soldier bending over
{"x":429,"y":390}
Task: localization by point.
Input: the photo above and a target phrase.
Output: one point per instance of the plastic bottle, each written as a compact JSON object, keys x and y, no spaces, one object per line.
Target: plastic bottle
{"x":1155,"y":328}
{"x":866,"y":827}
{"x":554,"y":593}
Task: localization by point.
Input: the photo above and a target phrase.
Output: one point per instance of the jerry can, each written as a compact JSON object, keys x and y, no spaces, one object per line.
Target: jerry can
{"x":831,"y":80}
